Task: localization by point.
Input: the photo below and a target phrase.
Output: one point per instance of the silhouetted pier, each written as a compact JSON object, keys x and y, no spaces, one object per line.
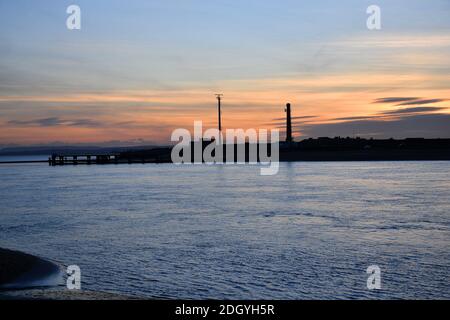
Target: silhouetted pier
{"x":159,"y":155}
{"x":59,"y":160}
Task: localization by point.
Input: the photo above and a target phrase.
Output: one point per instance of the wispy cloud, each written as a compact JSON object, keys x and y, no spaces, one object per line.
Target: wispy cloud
{"x":296,"y":118}
{"x":389,"y":113}
{"x":407,"y":101}
{"x":401,"y":41}
{"x":355,"y":118}
{"x":420,"y":102}
{"x":395,"y":99}
{"x":55,"y":121}
{"x":414,"y":110}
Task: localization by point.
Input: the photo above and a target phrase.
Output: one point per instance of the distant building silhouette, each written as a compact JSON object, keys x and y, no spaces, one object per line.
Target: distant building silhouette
{"x":288,"y":123}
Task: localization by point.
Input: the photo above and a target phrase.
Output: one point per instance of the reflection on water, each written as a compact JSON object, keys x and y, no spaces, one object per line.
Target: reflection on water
{"x":227,"y":232}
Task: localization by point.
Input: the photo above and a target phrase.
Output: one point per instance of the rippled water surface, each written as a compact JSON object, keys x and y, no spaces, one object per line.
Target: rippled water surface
{"x":309,"y":232}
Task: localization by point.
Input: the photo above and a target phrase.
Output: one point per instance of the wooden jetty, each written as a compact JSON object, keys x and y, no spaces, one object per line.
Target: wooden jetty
{"x":75,"y":159}
{"x":151,"y":156}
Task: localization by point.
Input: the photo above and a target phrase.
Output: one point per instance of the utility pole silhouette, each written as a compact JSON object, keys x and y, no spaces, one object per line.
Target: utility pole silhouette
{"x":219,"y":100}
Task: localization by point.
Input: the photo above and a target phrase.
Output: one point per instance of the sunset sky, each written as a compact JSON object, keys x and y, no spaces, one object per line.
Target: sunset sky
{"x":139,"y":69}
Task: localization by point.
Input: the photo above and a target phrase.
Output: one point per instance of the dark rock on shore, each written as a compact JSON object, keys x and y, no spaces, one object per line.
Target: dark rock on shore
{"x":25,"y":277}
{"x":17,"y":268}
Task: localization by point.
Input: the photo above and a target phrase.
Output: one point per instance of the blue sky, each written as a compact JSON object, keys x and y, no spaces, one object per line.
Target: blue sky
{"x":163,"y":49}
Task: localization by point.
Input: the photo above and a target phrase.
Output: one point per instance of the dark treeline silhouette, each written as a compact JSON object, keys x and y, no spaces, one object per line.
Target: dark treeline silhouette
{"x":360,"y":149}
{"x":320,"y":149}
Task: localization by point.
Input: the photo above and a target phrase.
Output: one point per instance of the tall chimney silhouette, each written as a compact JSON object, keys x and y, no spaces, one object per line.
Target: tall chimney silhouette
{"x":219,"y":112}
{"x":288,"y":123}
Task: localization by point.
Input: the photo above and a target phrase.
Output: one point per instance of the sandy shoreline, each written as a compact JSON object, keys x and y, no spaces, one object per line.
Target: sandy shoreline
{"x":27,"y":277}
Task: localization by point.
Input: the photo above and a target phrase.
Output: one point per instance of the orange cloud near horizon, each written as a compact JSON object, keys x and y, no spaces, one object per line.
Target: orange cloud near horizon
{"x":151,"y":115}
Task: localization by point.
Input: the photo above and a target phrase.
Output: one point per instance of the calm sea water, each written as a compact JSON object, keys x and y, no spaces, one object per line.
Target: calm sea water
{"x":170,"y":231}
